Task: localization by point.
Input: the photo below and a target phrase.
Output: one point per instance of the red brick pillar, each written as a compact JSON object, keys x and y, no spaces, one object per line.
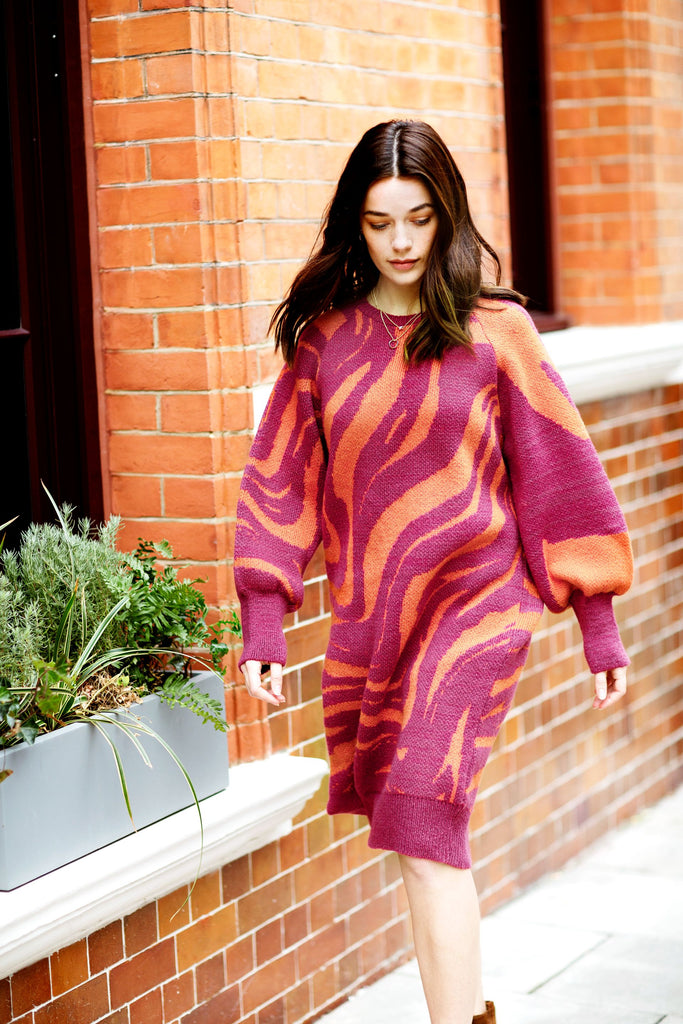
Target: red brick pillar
{"x":618,"y":140}
{"x":168,"y":205}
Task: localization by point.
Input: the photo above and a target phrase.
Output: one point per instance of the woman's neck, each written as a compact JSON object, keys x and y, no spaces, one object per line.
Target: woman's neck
{"x":395,"y":301}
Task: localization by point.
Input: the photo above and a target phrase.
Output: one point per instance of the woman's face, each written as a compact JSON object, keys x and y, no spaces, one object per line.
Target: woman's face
{"x":399,"y":223}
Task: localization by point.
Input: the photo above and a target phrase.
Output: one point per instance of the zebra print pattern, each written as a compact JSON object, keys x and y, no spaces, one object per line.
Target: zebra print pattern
{"x":453,"y":499}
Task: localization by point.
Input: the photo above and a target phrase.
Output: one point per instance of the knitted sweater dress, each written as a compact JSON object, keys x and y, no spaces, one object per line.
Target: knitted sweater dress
{"x":453,"y":498}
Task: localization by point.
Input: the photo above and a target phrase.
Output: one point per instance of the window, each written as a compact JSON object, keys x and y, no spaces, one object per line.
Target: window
{"x":48,"y":415}
{"x":531,"y":224}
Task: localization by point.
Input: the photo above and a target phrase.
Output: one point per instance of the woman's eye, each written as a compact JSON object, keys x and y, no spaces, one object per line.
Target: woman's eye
{"x":423,"y":222}
{"x":379,"y":227}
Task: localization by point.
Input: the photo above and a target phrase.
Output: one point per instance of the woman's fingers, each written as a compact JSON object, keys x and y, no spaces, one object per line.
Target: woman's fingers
{"x":252,"y":672}
{"x":610,"y":686}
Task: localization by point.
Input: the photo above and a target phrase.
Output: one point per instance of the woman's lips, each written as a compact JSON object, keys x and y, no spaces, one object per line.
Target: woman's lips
{"x":403,"y":264}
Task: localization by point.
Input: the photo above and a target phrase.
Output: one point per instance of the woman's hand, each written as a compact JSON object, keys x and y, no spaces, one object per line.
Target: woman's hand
{"x":251,"y":670}
{"x":609,"y":687}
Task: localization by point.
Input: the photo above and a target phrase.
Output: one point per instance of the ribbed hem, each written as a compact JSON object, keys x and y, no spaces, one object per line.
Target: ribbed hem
{"x":263,"y":637}
{"x":601,"y":641}
{"x":419,"y":827}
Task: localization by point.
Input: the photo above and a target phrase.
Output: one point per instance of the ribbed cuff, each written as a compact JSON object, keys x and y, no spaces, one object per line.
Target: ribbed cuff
{"x":601,"y":641}
{"x":262,"y":635}
{"x":420,"y":827}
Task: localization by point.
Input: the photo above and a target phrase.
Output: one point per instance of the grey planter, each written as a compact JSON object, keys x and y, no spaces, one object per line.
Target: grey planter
{"x":64,"y":797}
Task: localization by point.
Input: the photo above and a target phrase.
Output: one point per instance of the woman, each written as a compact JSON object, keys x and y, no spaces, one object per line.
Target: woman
{"x":419,"y":430}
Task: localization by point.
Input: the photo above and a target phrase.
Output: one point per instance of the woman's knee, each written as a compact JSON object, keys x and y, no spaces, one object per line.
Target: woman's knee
{"x":432,"y":874}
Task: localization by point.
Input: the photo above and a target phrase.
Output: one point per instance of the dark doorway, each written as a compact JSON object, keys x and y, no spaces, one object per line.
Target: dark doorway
{"x":48,"y":415}
{"x":526,"y":124}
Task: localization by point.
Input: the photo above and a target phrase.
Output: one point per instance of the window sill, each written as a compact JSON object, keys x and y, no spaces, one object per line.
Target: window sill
{"x":65,"y":905}
{"x":605,"y":362}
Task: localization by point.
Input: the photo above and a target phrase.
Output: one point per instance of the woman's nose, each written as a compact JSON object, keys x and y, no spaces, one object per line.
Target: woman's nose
{"x":401,"y":241}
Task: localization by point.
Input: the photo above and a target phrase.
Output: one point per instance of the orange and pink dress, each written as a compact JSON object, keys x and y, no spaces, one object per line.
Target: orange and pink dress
{"x":454,"y":498}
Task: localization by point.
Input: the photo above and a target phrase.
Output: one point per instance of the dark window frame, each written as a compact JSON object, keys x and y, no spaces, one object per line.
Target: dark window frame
{"x":53,"y":412}
{"x":530,"y":184}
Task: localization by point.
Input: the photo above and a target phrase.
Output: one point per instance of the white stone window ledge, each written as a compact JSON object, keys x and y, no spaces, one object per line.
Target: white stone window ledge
{"x":47,"y":914}
{"x":605,"y":362}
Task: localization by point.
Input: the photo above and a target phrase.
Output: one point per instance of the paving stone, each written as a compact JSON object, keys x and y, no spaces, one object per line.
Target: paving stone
{"x":612,"y":902}
{"x":535,"y":1009}
{"x":519,"y":957}
{"x":627,"y":973}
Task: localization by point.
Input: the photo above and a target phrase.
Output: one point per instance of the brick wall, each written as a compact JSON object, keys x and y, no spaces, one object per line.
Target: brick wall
{"x":217,"y":138}
{"x":618,"y":146}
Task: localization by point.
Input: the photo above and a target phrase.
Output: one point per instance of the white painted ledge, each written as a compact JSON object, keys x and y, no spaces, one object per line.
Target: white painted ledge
{"x":65,"y":905}
{"x":604,"y":362}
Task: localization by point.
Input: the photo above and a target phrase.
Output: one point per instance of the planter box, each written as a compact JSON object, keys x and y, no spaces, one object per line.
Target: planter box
{"x":64,"y":797}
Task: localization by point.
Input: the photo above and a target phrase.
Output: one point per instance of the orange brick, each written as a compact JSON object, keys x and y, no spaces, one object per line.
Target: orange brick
{"x":156,"y":371}
{"x":206,"y":937}
{"x":145,"y":453}
{"x":133,"y":289}
{"x":125,"y":248}
{"x":136,"y":496}
{"x":210,"y":977}
{"x":182,"y":243}
{"x":253,"y":741}
{"x":206,"y":895}
{"x":144,"y":119}
{"x":184,"y":329}
{"x":235,"y":453}
{"x":124,"y":37}
{"x":69,"y":967}
{"x":164,"y":5}
{"x":105,"y":947}
{"x":170,"y":74}
{"x":5,"y":1001}
{"x":148,"y":204}
{"x":186,"y":413}
{"x":574,"y":174}
{"x":148,"y":1009}
{"x":120,"y":164}
{"x":266,"y":985}
{"x":221,"y":116}
{"x":229,"y":284}
{"x":174,"y":160}
{"x":117,"y":79}
{"x":173,"y":912}
{"x":127,"y":330}
{"x":615,"y":174}
{"x":30,"y":987}
{"x":105,"y":8}
{"x":78,"y":1006}
{"x":226,"y":201}
{"x":141,"y":973}
{"x":178,"y":996}
{"x":225,"y":242}
{"x":189,"y":540}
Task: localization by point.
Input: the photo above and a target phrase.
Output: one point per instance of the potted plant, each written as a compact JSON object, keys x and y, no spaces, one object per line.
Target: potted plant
{"x":104,"y":728}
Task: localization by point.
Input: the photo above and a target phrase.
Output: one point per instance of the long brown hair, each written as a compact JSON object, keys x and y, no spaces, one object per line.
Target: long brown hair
{"x":340,"y":270}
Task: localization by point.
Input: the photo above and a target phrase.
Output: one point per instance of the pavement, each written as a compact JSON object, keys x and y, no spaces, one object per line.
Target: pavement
{"x":600,"y":942}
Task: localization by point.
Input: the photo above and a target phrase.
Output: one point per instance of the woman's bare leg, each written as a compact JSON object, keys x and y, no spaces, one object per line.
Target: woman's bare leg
{"x":445,"y":913}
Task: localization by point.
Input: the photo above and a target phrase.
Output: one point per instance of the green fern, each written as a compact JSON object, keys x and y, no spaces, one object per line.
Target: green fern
{"x":182,"y":691}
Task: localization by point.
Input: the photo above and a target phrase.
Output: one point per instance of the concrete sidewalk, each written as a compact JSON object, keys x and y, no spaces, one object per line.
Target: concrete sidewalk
{"x":600,"y":942}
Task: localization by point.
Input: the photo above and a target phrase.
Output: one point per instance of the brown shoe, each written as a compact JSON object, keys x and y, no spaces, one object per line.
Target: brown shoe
{"x":486,"y":1018}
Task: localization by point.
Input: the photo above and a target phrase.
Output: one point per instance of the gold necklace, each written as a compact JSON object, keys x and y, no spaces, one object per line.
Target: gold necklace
{"x":399,"y":330}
